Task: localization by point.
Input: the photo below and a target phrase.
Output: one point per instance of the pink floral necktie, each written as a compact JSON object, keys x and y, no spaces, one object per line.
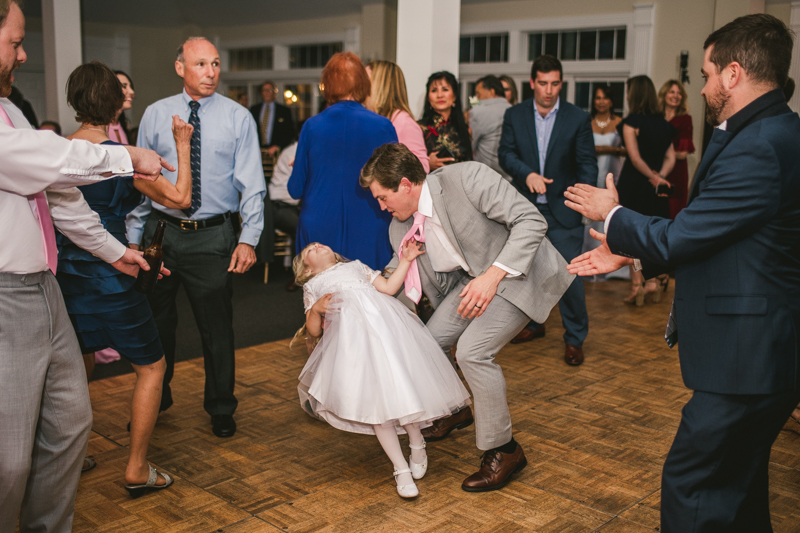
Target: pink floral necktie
{"x":40,"y":209}
{"x":413,"y":283}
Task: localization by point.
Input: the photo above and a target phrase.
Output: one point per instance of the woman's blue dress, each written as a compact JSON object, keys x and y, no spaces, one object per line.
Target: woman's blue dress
{"x":335,"y":210}
{"x":104,"y":308}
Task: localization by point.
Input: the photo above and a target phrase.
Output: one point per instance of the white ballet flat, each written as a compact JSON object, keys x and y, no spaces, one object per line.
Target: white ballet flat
{"x":418,"y":470}
{"x":406,"y":491}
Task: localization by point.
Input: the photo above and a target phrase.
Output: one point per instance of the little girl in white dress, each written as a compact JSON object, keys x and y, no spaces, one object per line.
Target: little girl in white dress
{"x":377,"y":369}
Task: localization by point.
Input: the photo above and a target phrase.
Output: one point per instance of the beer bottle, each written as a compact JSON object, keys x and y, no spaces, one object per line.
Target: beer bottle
{"x":153,"y":254}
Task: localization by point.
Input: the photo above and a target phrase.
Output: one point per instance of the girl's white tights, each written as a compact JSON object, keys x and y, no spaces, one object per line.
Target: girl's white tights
{"x":387,"y":436}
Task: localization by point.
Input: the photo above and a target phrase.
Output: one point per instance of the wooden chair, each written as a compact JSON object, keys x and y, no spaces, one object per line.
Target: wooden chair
{"x":283,"y":248}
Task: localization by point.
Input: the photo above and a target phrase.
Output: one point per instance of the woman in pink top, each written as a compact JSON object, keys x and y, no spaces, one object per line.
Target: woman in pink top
{"x":390,"y":99}
{"x":118,"y":130}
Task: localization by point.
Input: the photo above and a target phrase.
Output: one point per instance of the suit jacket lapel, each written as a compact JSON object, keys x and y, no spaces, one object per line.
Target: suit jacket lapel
{"x":530,"y":121}
{"x":719,"y":140}
{"x":440,"y":207}
{"x":557,"y":127}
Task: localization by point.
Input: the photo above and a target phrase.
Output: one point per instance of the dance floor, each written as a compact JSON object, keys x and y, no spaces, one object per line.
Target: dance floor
{"x":595,"y":437}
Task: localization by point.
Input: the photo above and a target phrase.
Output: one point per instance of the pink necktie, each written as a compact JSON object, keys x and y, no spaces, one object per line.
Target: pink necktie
{"x":413,"y":282}
{"x":42,"y":213}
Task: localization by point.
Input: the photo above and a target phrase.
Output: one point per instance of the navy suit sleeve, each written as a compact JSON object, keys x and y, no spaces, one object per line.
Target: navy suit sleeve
{"x":508,"y":152}
{"x":585,"y":156}
{"x":739,"y":195}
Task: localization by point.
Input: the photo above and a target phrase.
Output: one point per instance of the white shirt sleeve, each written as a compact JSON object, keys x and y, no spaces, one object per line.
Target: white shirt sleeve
{"x":74,"y":218}
{"x":511,"y":272}
{"x":608,"y":218}
{"x":37,"y":160}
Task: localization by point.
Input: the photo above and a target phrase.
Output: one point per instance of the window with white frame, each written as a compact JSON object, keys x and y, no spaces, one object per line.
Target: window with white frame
{"x":491,"y":48}
{"x":250,"y":58}
{"x":579,"y":45}
{"x":312,"y":55}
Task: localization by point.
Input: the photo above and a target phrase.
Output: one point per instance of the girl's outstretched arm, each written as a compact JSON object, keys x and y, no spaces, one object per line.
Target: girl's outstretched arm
{"x":315,"y":314}
{"x":411,"y":250}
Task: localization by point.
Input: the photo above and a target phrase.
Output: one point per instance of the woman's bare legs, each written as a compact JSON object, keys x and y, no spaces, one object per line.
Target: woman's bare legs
{"x":144,"y":412}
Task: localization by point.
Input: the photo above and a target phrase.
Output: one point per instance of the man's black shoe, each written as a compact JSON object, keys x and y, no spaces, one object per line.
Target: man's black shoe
{"x":223,"y":425}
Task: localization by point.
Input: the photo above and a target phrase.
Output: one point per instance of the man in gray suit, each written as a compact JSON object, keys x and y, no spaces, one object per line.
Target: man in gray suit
{"x":487,"y":270}
{"x":486,"y":122}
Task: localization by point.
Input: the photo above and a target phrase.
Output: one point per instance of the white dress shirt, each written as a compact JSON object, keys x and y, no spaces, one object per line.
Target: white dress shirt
{"x":280,"y":177}
{"x":444,"y":257}
{"x":33,"y":161}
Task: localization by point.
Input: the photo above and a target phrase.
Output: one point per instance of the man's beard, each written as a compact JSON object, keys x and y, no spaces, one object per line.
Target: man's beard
{"x":716,"y":104}
{"x":5,"y":79}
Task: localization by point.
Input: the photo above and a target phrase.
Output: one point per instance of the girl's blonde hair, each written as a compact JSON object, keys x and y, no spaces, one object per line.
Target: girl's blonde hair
{"x":683,"y":107}
{"x":301,"y":277}
{"x":388,"y":89}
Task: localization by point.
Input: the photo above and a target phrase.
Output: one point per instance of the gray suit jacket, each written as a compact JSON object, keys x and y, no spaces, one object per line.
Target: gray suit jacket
{"x":486,"y":122}
{"x":489,"y":221}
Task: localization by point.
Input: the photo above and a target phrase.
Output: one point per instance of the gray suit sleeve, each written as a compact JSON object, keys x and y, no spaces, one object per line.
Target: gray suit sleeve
{"x":496,"y":198}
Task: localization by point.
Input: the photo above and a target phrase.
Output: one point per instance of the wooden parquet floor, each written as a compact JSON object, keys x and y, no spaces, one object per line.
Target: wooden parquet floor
{"x":595,"y":436}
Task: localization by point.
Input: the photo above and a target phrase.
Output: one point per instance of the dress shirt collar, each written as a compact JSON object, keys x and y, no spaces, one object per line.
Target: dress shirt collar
{"x":204,"y":102}
{"x":767,"y":105}
{"x":552,"y":111}
{"x":425,"y":205}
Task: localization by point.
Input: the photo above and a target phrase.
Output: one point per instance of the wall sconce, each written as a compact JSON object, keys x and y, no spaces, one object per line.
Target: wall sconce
{"x":685,"y":66}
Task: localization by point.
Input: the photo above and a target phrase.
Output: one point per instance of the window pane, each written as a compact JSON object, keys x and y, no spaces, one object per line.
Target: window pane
{"x":505,"y":48}
{"x":527,"y":92}
{"x":563,"y":93}
{"x":294,"y":57}
{"x":463,"y":49}
{"x":495,"y":48}
{"x":621,"y":35}
{"x":551,"y":44}
{"x":313,"y":56}
{"x":337,"y":47}
{"x":479,"y":49}
{"x":534,"y":46}
{"x":582,"y":94}
{"x":588,"y":46}
{"x":304,"y":57}
{"x":606,"y":47}
{"x":569,"y":45}
{"x":618,"y":96}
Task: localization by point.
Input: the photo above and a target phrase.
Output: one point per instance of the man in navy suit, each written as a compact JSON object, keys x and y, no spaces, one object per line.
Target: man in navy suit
{"x":274,"y":121}
{"x":736,"y":254}
{"x":546,"y":146}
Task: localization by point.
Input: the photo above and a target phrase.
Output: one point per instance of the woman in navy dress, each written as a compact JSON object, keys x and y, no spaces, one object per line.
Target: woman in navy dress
{"x":648,"y":139}
{"x":102,"y":304}
{"x":333,"y":147}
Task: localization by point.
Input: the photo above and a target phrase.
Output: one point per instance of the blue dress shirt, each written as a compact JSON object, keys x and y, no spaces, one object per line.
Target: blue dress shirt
{"x":230,"y":163}
{"x":544,"y":128}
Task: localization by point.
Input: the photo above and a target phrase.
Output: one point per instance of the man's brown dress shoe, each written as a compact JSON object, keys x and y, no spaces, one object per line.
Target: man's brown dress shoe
{"x":528,"y":335}
{"x":573,"y":355}
{"x":496,"y":470}
{"x":442,"y":427}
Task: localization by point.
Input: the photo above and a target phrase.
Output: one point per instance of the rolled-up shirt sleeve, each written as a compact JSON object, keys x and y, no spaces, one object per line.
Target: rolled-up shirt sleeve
{"x":248,"y":178}
{"x":37,"y":160}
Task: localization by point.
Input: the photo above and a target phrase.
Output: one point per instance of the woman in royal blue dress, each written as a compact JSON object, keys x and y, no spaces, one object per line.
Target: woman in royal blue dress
{"x":333,"y":147}
{"x":102,"y":304}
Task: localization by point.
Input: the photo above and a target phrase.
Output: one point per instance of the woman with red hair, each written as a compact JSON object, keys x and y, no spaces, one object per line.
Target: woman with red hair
{"x":333,"y":147}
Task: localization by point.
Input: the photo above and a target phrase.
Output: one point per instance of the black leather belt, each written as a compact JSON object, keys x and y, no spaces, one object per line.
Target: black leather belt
{"x":195,"y":224}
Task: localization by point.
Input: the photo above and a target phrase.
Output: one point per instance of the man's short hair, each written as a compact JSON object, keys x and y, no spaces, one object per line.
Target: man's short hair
{"x":5,"y":7}
{"x":546,"y":63}
{"x":190,"y":39}
{"x":760,"y":43}
{"x":389,"y":164}
{"x":268,"y":82}
{"x":493,"y":83}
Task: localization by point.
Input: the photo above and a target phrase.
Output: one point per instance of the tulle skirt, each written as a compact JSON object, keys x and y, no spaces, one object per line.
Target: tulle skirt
{"x":377,"y":364}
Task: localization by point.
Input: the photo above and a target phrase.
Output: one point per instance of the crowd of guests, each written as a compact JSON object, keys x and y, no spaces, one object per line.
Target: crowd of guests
{"x":357,"y":168}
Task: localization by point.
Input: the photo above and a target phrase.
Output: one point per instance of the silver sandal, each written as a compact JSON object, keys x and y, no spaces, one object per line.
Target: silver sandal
{"x":137,"y":490}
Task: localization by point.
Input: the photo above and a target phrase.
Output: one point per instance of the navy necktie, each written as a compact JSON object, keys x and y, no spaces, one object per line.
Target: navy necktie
{"x":194,"y":120}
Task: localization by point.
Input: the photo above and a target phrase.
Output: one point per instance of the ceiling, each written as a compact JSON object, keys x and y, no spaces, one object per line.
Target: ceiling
{"x":207,"y":13}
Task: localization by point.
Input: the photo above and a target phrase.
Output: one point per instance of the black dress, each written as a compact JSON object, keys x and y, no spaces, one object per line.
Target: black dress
{"x":635,"y":190}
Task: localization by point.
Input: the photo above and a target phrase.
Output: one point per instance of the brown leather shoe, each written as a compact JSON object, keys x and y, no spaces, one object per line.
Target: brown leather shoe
{"x":442,"y":427}
{"x":573,"y":355}
{"x":528,"y":335}
{"x":496,"y":470}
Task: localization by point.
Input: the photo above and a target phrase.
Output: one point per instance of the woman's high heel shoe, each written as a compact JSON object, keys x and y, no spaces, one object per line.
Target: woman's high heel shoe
{"x":662,"y":282}
{"x":406,"y":491}
{"x":418,"y":470}
{"x":636,"y":297}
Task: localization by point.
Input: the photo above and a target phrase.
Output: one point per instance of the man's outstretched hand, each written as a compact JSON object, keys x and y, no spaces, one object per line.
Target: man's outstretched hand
{"x":598,"y":261}
{"x":591,"y":202}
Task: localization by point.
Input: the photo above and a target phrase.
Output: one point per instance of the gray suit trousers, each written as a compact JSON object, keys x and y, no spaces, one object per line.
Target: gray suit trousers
{"x":45,"y":413}
{"x":478,"y":341}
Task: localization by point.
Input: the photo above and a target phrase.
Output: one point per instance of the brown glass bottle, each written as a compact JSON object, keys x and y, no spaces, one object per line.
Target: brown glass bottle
{"x":153,"y":254}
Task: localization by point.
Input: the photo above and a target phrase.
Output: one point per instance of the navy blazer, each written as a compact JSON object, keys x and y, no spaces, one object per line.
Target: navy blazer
{"x":736,"y":253}
{"x":283,"y":133}
{"x":570,"y":157}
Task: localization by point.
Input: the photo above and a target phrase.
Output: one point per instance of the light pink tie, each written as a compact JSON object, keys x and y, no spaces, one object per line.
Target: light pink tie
{"x":413,"y":282}
{"x":42,"y":212}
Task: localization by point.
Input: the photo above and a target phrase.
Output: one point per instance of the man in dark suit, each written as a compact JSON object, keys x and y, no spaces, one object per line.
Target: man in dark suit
{"x":274,"y":121}
{"x":736,"y":254}
{"x":546,"y":146}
